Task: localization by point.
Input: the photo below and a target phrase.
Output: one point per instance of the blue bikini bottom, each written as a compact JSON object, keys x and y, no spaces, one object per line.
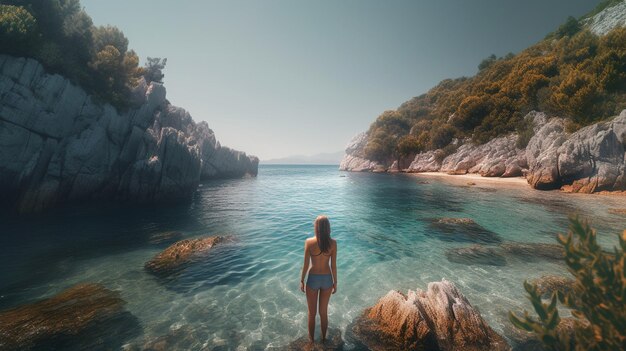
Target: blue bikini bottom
{"x":319,"y":281}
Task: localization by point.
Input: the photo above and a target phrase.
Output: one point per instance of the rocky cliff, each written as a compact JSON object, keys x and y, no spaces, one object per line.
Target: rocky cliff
{"x":58,"y":145}
{"x":588,"y":160}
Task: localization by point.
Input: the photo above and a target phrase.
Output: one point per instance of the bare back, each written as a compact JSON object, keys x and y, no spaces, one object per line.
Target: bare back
{"x":320,"y":261}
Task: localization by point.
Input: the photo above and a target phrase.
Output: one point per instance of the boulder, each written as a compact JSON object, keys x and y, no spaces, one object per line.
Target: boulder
{"x":461,"y":230}
{"x":542,"y":155}
{"x":522,"y":340}
{"x":530,"y":251}
{"x":180,"y":338}
{"x":354,"y":159}
{"x":440,"y":318}
{"x":181,"y":253}
{"x":476,"y":254}
{"x":587,"y":161}
{"x":333,"y":342}
{"x":429,"y":161}
{"x":86,"y":316}
{"x":492,"y":159}
{"x":58,"y":145}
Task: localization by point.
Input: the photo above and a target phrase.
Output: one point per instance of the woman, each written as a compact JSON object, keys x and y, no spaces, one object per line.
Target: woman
{"x":321,"y":253}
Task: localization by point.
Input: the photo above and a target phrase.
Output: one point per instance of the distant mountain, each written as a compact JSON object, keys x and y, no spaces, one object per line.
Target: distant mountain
{"x":329,"y":158}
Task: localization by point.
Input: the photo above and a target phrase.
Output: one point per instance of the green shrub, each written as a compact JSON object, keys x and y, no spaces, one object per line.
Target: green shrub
{"x":62,"y":37}
{"x":597,"y":303}
{"x":579,"y":76}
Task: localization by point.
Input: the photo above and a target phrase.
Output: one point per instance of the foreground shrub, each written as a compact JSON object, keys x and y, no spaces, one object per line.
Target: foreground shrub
{"x":597,"y":302}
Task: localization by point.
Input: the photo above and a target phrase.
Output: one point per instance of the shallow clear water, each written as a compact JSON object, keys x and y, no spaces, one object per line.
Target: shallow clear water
{"x":245,"y":294}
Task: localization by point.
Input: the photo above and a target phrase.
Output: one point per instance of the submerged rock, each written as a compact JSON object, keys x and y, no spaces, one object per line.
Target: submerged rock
{"x":439,"y":318}
{"x":548,"y":284}
{"x":334,"y":342}
{"x":476,"y":254}
{"x":181,"y":338}
{"x":529,"y":251}
{"x":86,"y":316}
{"x":180,"y":253}
{"x":463,"y":230}
{"x":524,"y":341}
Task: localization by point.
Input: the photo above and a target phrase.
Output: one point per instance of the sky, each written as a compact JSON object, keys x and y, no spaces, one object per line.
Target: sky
{"x":278,"y":78}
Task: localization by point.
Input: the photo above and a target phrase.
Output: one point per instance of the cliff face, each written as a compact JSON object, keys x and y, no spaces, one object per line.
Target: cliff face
{"x":57,"y":145}
{"x":589,"y":160}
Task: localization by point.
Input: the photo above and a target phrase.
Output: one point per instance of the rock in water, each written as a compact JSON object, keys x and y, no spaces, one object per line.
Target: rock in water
{"x":439,"y":318}
{"x":58,"y":145}
{"x":461,"y":229}
{"x":530,"y":251}
{"x":548,"y":284}
{"x":86,"y":316}
{"x":476,"y":254}
{"x":334,"y":342}
{"x":180,"y":253}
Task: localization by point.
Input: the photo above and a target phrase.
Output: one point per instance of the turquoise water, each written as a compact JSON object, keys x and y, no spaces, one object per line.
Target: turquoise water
{"x":245,"y":294}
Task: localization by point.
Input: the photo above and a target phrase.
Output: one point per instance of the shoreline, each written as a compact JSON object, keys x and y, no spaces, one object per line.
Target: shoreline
{"x":477,"y":179}
{"x":509,"y":182}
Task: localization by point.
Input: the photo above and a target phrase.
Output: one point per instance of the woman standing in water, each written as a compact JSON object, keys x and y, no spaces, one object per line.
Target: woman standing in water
{"x":321,"y":253}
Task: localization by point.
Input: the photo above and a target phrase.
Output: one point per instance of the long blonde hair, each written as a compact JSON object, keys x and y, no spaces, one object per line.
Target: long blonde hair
{"x":322,"y":232}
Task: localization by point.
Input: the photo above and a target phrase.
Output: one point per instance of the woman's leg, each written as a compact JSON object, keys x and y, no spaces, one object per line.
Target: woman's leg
{"x":324,"y":298}
{"x":311,"y":300}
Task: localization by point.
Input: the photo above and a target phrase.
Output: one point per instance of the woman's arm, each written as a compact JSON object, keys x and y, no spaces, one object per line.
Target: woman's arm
{"x":305,"y":266}
{"x":333,"y":267}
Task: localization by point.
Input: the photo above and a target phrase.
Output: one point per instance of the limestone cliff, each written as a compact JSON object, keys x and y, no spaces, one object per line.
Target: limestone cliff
{"x":588,"y":160}
{"x":58,"y":145}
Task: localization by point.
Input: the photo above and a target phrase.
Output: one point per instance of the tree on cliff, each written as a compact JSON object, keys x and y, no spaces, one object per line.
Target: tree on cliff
{"x":61,"y":36}
{"x":597,"y":300}
{"x":153,"y":70}
{"x":573,"y":73}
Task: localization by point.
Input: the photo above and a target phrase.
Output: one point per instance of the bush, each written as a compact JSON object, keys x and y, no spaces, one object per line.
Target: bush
{"x":62,"y":37}
{"x":153,"y":71}
{"x":579,"y":76}
{"x":597,"y":303}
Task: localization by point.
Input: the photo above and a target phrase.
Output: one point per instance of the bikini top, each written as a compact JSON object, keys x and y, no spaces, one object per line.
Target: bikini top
{"x":321,"y":252}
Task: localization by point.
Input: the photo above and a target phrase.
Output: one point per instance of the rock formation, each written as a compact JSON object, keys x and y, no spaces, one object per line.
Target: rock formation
{"x":86,"y":316}
{"x":354,"y":159}
{"x":58,"y":145}
{"x":531,"y":251}
{"x":180,"y":253}
{"x":439,"y":318}
{"x":589,"y":160}
{"x":334,"y":342}
{"x":607,"y":19}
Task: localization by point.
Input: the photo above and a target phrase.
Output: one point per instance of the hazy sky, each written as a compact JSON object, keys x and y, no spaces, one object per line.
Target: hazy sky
{"x":277,"y":78}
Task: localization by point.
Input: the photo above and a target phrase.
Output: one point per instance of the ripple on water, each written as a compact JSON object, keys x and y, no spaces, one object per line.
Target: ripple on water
{"x":246,"y":293}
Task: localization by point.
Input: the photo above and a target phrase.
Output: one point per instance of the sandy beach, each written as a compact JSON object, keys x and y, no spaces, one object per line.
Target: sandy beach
{"x":474,"y":179}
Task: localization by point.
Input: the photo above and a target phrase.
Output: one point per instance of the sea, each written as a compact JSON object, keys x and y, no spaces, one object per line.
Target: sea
{"x":244,"y":294}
